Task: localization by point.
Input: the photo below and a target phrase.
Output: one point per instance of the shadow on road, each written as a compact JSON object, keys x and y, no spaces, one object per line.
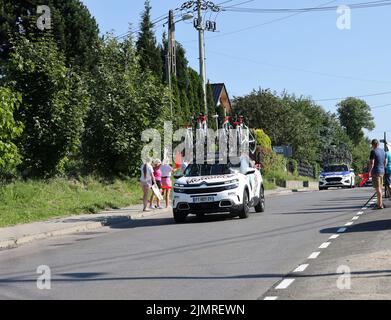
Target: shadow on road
{"x":154,"y":222}
{"x":102,"y":277}
{"x":379,"y":225}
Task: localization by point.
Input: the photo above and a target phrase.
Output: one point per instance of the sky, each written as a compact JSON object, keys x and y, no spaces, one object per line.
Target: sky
{"x":304,"y":54}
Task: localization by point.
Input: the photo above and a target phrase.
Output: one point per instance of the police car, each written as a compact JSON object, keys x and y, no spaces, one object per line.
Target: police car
{"x":336,"y":176}
{"x":214,"y":188}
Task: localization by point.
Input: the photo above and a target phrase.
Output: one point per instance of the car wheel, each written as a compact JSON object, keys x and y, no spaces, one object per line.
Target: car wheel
{"x":260,"y":207}
{"x":244,"y":212}
{"x":179,"y":217}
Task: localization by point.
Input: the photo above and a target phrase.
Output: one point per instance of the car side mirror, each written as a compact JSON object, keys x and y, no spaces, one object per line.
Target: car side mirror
{"x":178,"y":176}
{"x":250,"y":171}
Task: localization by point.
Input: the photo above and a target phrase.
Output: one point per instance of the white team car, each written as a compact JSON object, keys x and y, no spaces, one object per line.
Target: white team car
{"x":215,"y":188}
{"x":336,"y":176}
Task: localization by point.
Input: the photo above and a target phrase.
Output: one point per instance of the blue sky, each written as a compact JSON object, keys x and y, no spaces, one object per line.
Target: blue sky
{"x":305,"y":54}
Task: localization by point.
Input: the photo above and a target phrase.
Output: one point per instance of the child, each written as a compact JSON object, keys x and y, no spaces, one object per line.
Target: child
{"x":158,"y":178}
{"x":166,"y":170}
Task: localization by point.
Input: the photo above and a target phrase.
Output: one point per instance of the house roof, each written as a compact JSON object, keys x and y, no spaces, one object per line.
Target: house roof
{"x":218,"y":89}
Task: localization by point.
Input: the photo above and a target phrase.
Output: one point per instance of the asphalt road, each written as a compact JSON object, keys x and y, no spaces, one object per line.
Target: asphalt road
{"x":214,"y":258}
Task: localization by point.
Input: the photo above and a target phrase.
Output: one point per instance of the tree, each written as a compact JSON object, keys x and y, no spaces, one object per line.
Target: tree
{"x":75,"y":30}
{"x":125,"y":102}
{"x":147,"y":49}
{"x":54,"y":104}
{"x":355,"y":115}
{"x":10,"y":129}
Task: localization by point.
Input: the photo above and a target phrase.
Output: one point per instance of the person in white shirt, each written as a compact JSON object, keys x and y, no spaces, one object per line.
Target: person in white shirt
{"x":166,"y":170}
{"x":147,"y":180}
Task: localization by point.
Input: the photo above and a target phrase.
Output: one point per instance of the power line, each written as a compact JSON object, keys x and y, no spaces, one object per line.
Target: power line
{"x":361,"y":5}
{"x":265,"y":23}
{"x":237,"y":58}
{"x":362,"y":96}
{"x":382,"y":106}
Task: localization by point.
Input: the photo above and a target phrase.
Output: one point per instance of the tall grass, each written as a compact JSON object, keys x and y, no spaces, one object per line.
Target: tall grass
{"x":27,"y":201}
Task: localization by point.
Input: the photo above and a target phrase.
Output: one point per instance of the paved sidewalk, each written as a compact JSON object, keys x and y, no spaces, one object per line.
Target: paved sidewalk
{"x":15,"y":236}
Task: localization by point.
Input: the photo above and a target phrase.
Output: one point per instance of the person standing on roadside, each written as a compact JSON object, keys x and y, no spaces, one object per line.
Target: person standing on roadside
{"x":387,"y":176}
{"x":147,"y":180}
{"x":166,"y":181}
{"x":157,"y":173}
{"x":377,"y":170}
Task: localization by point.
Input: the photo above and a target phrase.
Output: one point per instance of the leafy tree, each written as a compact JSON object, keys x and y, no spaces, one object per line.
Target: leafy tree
{"x":54,"y":103}
{"x":355,"y":115}
{"x":147,"y":49}
{"x":75,"y":30}
{"x":10,"y":129}
{"x":125,"y":102}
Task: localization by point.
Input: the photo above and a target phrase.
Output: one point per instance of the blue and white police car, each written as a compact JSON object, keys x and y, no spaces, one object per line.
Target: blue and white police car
{"x":340,"y":176}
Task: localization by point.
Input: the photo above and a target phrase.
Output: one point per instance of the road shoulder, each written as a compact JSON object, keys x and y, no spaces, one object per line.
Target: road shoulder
{"x":355,"y":265}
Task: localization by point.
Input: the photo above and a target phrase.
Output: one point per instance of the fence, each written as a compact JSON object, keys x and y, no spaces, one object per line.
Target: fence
{"x":306,"y":170}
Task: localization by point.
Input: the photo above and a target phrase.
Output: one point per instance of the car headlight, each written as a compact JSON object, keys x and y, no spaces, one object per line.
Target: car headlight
{"x":232,"y":186}
{"x":178,"y":185}
{"x":232,"y":181}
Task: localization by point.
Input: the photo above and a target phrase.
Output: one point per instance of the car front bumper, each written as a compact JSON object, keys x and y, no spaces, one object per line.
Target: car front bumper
{"x":227,"y":201}
{"x":335,"y":182}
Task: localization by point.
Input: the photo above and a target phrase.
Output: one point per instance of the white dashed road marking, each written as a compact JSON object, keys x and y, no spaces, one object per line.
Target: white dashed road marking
{"x":349,"y":224}
{"x":270,"y":298}
{"x":342,"y":230}
{"x":355,"y":218}
{"x":301,"y":268}
{"x":285,"y":284}
{"x":360,"y":213}
{"x":324,"y":245}
{"x":334,"y":236}
{"x":314,"y":255}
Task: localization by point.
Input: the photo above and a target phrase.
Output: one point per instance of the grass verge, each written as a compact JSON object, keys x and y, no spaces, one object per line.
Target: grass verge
{"x":29,"y":201}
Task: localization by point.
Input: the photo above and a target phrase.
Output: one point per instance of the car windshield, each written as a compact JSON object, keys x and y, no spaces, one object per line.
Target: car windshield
{"x":337,"y":168}
{"x":197,"y":170}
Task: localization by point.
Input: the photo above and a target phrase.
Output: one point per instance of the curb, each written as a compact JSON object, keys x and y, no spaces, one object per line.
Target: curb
{"x":14,"y":243}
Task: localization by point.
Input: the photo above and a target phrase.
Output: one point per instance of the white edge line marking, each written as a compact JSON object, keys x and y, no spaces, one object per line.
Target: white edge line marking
{"x":349,"y":223}
{"x":341,"y":230}
{"x":324,"y":245}
{"x":314,"y":255}
{"x":301,"y":268}
{"x":270,"y":298}
{"x":334,"y":236}
{"x":285,"y":284}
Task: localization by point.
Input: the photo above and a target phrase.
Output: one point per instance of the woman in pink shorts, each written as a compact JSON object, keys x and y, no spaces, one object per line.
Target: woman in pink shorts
{"x":166,"y":170}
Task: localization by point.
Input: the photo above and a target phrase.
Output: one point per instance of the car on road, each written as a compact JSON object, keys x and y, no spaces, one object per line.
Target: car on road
{"x":218,"y":188}
{"x":340,"y":176}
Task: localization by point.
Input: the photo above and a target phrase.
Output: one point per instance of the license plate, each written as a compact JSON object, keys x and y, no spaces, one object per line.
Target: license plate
{"x":203,"y":199}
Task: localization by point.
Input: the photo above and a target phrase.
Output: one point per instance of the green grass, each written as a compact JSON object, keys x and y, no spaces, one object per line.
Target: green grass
{"x":24,"y":202}
{"x":272,"y":179}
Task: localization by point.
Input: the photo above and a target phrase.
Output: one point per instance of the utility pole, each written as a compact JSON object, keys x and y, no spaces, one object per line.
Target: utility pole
{"x":201,"y":40}
{"x":171,"y":56}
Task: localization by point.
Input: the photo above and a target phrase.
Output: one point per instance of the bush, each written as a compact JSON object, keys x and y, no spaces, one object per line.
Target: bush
{"x":263,"y":140}
{"x":9,"y":130}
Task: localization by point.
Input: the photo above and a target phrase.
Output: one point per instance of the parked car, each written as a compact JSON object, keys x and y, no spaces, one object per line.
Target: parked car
{"x":337,"y":176}
{"x":214,"y":188}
